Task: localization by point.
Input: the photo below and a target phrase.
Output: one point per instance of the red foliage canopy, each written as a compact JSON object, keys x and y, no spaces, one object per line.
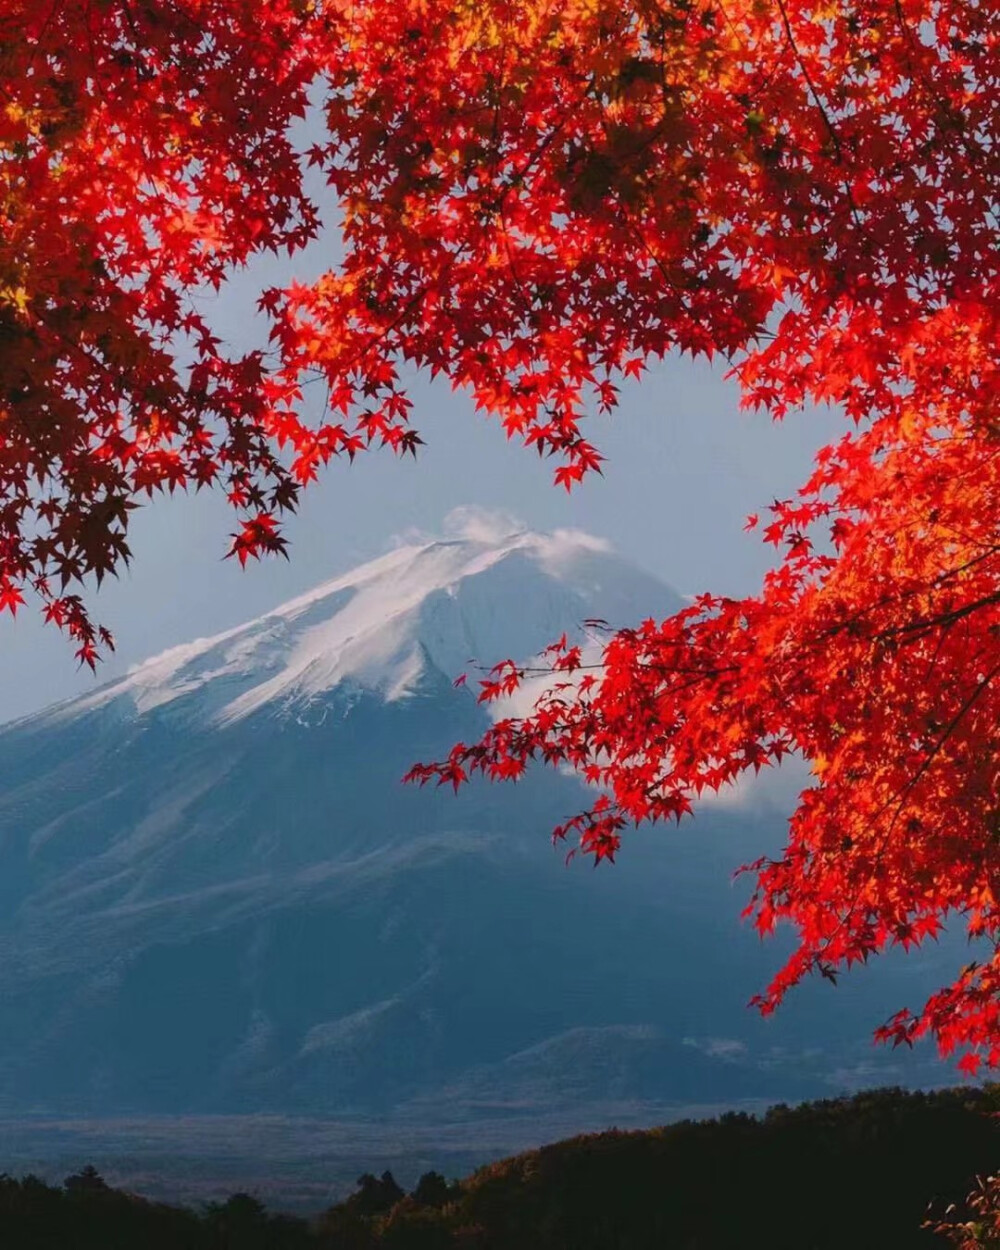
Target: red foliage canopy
{"x":536,"y":198}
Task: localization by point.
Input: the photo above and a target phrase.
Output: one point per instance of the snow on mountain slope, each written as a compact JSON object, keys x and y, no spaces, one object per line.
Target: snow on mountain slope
{"x":482,"y":598}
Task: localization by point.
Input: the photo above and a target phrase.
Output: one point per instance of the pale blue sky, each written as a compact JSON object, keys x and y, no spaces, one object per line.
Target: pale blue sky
{"x":684,"y":468}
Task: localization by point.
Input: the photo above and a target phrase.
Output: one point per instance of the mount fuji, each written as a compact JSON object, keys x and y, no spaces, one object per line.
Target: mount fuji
{"x":217,"y":898}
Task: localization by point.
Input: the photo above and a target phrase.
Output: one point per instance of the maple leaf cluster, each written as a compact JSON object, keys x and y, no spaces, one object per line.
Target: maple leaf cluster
{"x":143,"y":154}
{"x":536,"y":198}
{"x":981,"y":1230}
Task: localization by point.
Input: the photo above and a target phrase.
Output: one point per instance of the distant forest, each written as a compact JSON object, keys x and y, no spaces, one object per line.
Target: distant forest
{"x":858,"y":1172}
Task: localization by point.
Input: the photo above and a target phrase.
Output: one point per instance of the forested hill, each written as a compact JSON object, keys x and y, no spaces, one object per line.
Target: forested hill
{"x":857,"y":1172}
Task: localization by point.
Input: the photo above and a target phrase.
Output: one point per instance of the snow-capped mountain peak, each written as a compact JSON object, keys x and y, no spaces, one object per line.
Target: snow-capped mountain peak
{"x":427,"y":605}
{"x":217,"y":895}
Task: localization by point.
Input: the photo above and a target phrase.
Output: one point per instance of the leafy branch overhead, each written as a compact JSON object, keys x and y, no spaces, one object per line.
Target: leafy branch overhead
{"x":536,"y":199}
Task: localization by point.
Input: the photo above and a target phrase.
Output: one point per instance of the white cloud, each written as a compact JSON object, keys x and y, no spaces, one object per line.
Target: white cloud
{"x":481,"y":525}
{"x":717,"y":1047}
{"x":469,"y":523}
{"x":773,"y":789}
{"x":490,"y":526}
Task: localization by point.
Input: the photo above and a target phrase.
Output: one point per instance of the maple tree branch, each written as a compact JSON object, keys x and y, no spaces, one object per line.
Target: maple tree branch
{"x":899,"y":800}
{"x":817,"y":100}
{"x":942,"y":620}
{"x":846,"y":623}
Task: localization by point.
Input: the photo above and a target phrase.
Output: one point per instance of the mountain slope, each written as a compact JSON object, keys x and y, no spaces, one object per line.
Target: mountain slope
{"x":216,"y":896}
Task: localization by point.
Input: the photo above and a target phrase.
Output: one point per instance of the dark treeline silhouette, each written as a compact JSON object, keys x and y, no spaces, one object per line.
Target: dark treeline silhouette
{"x":859,"y":1172}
